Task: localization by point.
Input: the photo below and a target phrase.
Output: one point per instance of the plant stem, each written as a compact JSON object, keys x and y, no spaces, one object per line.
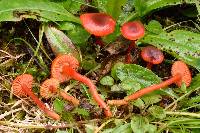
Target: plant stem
{"x":69,"y":98}
{"x":183,"y":113}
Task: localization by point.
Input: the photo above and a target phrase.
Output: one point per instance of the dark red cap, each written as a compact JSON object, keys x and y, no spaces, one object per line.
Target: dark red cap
{"x":98,"y":24}
{"x":152,"y":55}
{"x":133,"y":30}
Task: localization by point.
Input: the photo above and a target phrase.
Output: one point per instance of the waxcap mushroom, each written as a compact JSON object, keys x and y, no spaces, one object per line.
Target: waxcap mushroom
{"x":98,"y":24}
{"x":133,"y":30}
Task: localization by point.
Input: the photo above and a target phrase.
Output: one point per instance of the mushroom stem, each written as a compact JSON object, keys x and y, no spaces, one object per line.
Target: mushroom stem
{"x":144,"y":91}
{"x":69,"y":98}
{"x":149,"y":65}
{"x":39,"y":103}
{"x":128,"y":55}
{"x":71,"y":72}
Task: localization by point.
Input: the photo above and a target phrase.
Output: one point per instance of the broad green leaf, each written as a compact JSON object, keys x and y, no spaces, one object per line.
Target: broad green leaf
{"x":58,"y":105}
{"x":125,"y":128}
{"x":139,"y":103}
{"x":88,"y":62}
{"x":184,"y":45}
{"x":114,"y":7}
{"x":75,"y":32}
{"x":59,"y":42}
{"x":107,"y":80}
{"x":38,"y":9}
{"x":73,"y":6}
{"x":130,"y":86}
{"x":143,"y":7}
{"x":114,"y":68}
{"x":157,"y":112}
{"x":140,"y":74}
{"x":139,"y":124}
{"x":154,"y":27}
{"x":81,"y":111}
{"x":151,"y":99}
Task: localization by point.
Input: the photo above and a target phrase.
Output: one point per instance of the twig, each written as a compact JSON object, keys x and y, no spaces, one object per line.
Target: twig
{"x":183,"y":113}
{"x":10,"y":112}
{"x":103,"y":125}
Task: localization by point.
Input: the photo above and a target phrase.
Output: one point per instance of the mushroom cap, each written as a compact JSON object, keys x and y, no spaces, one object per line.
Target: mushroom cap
{"x":98,"y":24}
{"x":24,"y":79}
{"x":49,"y":87}
{"x":152,"y":55}
{"x":133,"y":30}
{"x":181,"y":68}
{"x":57,"y":66}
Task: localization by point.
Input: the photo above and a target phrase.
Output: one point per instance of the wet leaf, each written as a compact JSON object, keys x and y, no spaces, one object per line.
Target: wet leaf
{"x":59,"y":42}
{"x":107,"y":80}
{"x":182,"y":44}
{"x":139,"y":124}
{"x":36,"y":9}
{"x":143,"y":76}
{"x":58,"y":105}
{"x":157,"y":112}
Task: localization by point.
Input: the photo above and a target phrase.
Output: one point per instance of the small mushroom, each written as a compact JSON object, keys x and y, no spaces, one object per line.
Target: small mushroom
{"x":180,"y":74}
{"x":50,"y":87}
{"x":98,"y":24}
{"x":152,"y":55}
{"x":21,"y":87}
{"x":64,"y":68}
{"x":132,"y":31}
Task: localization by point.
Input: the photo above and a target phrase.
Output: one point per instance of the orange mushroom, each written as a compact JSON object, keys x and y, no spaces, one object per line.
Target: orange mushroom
{"x":64,"y":68}
{"x":50,"y":87}
{"x":98,"y":24}
{"x":152,"y":55}
{"x":21,"y":87}
{"x":132,"y":31}
{"x":180,"y":74}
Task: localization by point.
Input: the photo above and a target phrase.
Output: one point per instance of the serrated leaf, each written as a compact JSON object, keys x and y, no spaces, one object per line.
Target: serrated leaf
{"x":58,"y":105}
{"x":130,"y":86}
{"x":157,"y":112}
{"x":182,"y":44}
{"x":138,"y":103}
{"x":114,"y":68}
{"x":107,"y":80}
{"x":151,"y":99}
{"x":114,"y":7}
{"x":38,"y":9}
{"x":73,"y":6}
{"x":154,"y":27}
{"x":59,"y":42}
{"x":140,"y":74}
{"x":125,"y":128}
{"x":81,"y":111}
{"x":139,"y":124}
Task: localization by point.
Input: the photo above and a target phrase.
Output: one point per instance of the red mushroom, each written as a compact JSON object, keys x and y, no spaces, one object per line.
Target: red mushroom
{"x":21,"y":87}
{"x":50,"y":87}
{"x":152,"y":55}
{"x":98,"y":24}
{"x":63,"y":69}
{"x":180,"y":74}
{"x":132,"y":31}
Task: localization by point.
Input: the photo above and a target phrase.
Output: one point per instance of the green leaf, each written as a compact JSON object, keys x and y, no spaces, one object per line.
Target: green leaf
{"x":107,"y":80}
{"x":157,"y":112}
{"x":140,"y":74}
{"x":184,"y":45}
{"x":59,"y":42}
{"x":151,"y":99}
{"x":41,"y":10}
{"x":139,"y":124}
{"x":154,"y":27}
{"x":126,"y":128}
{"x":114,"y":7}
{"x":73,"y":6}
{"x":138,"y":103}
{"x":130,"y":86}
{"x":58,"y":105}
{"x":114,"y":68}
{"x":81,"y":111}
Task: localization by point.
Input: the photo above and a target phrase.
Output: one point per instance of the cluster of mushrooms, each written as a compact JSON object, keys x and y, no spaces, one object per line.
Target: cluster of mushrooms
{"x":64,"y":67}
